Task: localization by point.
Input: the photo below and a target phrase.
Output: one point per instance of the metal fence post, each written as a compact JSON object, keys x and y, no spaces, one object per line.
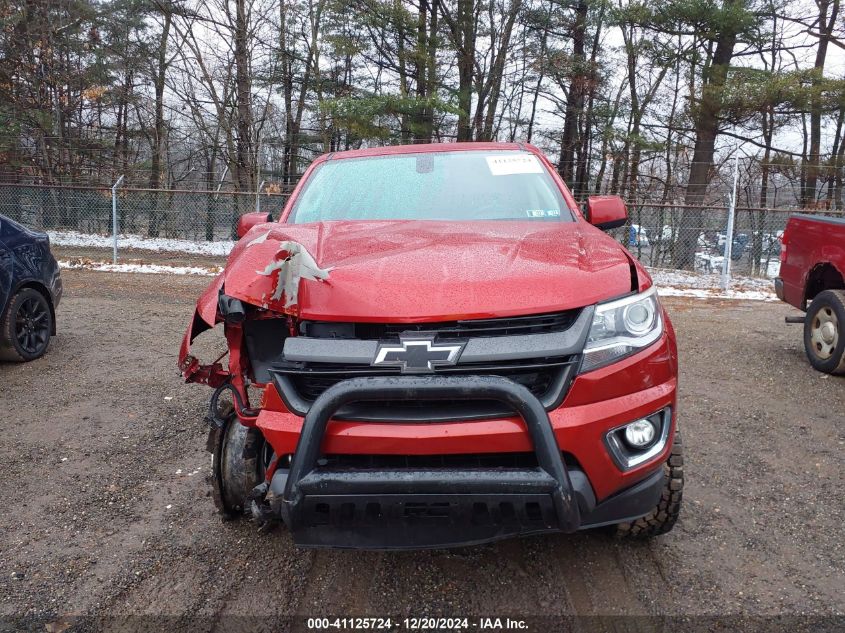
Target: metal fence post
{"x":729,"y":233}
{"x":114,"y":215}
{"x":258,"y":196}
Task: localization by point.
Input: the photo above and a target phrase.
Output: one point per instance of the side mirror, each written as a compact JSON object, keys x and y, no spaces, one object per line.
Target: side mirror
{"x":606,"y":212}
{"x":249,"y":220}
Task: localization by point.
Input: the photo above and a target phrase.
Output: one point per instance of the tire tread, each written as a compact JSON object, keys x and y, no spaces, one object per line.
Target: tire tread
{"x":664,"y":516}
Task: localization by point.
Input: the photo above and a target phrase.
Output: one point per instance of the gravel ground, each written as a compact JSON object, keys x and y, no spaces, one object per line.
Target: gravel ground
{"x":108,"y":513}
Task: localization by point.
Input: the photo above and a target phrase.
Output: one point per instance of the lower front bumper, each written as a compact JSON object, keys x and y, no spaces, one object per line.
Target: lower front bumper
{"x":401,"y":509}
{"x":388,"y":510}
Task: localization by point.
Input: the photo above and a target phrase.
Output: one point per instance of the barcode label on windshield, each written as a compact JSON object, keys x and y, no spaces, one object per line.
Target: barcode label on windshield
{"x":503,"y":165}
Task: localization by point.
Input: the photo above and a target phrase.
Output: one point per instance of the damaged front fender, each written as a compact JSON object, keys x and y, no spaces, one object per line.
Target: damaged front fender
{"x":205,"y":318}
{"x":264,"y":270}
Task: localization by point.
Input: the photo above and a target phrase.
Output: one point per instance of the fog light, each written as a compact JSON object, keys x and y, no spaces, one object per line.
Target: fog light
{"x":639,"y":441}
{"x":640,"y":434}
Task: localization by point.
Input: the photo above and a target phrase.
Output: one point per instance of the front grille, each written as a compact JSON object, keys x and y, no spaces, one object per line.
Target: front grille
{"x":429,"y":462}
{"x":508,"y":326}
{"x":461,"y":461}
{"x":538,"y":377}
{"x":301,"y":383}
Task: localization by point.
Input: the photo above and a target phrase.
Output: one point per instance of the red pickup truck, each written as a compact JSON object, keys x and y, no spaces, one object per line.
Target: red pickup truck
{"x":812,"y":278}
{"x":432,"y":346}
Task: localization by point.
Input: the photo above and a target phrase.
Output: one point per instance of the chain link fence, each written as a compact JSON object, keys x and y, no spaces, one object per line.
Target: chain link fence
{"x":679,"y":237}
{"x":198,"y":227}
{"x":197,"y":216}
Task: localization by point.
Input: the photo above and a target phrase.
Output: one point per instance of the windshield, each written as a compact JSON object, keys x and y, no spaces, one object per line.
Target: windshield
{"x":463,"y":185}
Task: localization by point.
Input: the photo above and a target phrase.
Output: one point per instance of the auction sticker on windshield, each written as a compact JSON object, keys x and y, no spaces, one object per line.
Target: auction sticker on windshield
{"x":501,"y":165}
{"x":542,"y":213}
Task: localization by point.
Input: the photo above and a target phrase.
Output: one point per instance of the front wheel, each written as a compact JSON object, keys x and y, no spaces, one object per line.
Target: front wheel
{"x":664,"y":516}
{"x":824,"y":338}
{"x":238,"y":462}
{"x":25,"y":327}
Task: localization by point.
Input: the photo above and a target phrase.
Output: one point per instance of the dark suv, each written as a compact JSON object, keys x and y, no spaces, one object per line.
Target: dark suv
{"x":30,"y":290}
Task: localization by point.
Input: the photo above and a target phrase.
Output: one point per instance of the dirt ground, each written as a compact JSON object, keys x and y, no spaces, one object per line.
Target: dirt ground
{"x":106,"y":511}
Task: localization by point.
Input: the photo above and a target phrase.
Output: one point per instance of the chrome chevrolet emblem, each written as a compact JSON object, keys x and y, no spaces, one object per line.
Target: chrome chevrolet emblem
{"x":418,"y":354}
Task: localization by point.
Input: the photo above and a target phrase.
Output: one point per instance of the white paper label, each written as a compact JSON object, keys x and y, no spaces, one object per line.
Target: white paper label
{"x":506,"y":165}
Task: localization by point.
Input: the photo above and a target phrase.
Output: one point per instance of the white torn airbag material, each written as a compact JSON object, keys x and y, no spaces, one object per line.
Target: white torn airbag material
{"x":299,"y":264}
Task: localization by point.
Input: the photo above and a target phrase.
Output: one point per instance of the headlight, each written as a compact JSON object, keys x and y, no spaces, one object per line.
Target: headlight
{"x":621,"y":328}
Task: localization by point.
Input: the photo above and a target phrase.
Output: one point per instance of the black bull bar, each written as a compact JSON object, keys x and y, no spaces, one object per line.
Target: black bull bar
{"x":417,"y":508}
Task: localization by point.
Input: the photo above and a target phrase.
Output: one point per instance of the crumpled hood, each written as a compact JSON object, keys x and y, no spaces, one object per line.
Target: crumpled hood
{"x":416,"y":271}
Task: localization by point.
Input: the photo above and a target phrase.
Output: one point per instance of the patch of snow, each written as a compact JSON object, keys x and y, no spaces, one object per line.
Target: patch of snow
{"x":700,"y":293}
{"x":156,"y":269}
{"x":159,"y":244}
{"x":678,"y":283}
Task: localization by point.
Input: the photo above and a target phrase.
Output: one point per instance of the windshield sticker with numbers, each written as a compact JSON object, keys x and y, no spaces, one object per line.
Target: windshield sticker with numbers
{"x":542,"y":213}
{"x":505,"y":165}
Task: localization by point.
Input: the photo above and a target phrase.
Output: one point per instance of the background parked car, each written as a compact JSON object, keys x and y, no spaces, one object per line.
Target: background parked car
{"x":738,"y":244}
{"x":30,"y":290}
{"x":637,"y":236}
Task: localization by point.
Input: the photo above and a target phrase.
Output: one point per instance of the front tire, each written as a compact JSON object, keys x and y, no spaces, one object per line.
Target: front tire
{"x":237,"y":464}
{"x":25,"y":327}
{"x":824,"y":332}
{"x":664,"y":516}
